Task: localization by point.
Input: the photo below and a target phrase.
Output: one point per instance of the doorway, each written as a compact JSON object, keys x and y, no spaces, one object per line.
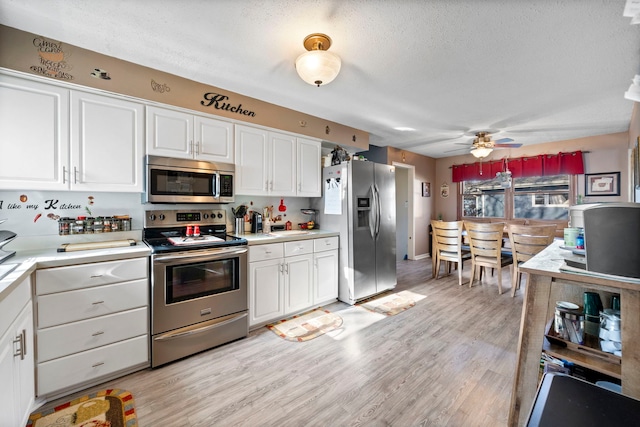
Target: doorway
{"x":405,"y":243}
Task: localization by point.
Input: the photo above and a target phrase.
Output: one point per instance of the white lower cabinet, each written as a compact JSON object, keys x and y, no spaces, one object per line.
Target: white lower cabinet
{"x":92,"y":323}
{"x":287,"y":278}
{"x":325,"y":277}
{"x":16,"y":356}
{"x":266,"y":300}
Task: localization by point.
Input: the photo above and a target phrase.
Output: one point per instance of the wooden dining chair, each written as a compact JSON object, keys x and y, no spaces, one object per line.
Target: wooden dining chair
{"x":447,"y":238}
{"x":526,"y":241}
{"x":485,"y":242}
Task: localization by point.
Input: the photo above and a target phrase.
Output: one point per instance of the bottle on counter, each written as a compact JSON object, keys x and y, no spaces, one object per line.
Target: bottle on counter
{"x":580,"y":239}
{"x":266,"y":225}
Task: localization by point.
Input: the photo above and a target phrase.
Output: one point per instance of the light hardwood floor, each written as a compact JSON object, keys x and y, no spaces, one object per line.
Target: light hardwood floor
{"x":448,"y":361}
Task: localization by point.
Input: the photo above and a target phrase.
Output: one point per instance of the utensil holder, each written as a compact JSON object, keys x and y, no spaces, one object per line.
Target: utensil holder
{"x":239,"y":225}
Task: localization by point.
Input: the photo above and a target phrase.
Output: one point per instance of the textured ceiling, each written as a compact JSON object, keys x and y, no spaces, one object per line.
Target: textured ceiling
{"x":532,"y":70}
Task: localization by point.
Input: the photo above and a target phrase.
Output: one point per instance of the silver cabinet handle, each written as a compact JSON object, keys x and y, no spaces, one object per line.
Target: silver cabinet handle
{"x":95,"y":276}
{"x":75,"y":175}
{"x":197,"y":148}
{"x":97,"y":302}
{"x":64,"y":174}
{"x":97,"y":364}
{"x":95,"y":334}
{"x":18,"y":351}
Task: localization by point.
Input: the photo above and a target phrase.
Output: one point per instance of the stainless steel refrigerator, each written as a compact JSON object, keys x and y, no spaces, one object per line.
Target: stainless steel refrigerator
{"x":359,"y":201}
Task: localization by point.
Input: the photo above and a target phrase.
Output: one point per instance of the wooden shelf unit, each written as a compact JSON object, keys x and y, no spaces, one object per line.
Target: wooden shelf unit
{"x":546,"y":284}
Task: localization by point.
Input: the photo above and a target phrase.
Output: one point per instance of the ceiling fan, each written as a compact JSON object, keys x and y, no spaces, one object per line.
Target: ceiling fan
{"x":482,"y":144}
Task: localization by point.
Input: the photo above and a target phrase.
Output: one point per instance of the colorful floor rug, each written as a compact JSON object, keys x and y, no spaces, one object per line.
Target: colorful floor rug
{"x":306,"y":326}
{"x":106,"y":408}
{"x":391,"y":304}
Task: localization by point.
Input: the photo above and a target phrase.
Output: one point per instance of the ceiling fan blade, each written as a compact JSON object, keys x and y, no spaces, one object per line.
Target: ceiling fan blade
{"x":457,"y":149}
{"x":503,"y":140}
{"x":516,"y":145}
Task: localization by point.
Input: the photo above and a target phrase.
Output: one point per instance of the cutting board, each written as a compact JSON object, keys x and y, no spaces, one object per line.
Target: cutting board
{"x":71,"y":247}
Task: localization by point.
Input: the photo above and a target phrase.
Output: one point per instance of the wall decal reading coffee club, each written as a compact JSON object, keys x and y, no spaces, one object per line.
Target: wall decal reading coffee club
{"x":218,"y":102}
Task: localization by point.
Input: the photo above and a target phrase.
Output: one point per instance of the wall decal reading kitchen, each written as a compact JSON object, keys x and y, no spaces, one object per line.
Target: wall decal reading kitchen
{"x":218,"y":102}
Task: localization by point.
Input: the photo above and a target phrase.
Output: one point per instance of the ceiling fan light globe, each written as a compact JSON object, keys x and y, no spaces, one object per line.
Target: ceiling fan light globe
{"x":481,"y":152}
{"x":318,"y":67}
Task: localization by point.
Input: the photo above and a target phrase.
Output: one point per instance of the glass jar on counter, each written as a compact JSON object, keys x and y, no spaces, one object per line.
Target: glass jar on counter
{"x":98,"y":225}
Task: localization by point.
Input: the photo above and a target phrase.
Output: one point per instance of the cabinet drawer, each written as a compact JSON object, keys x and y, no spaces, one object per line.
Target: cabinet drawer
{"x":325,"y":244}
{"x":82,"y":367}
{"x":75,"y":337}
{"x":62,"y":279}
{"x":299,"y":247}
{"x":65,"y":307}
{"x":265,"y":252}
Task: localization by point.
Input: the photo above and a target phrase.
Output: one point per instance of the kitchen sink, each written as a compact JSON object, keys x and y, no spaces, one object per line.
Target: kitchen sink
{"x":285,"y":233}
{"x":6,"y":269}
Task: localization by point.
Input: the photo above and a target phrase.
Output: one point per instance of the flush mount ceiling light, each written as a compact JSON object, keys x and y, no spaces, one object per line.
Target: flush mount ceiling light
{"x":318,"y":66}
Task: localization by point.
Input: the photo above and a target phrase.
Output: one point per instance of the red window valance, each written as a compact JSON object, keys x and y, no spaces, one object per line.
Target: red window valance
{"x":540,"y":165}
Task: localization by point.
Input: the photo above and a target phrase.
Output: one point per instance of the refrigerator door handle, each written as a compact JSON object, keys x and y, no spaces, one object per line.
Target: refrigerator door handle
{"x":372,"y":213}
{"x":378,"y":211}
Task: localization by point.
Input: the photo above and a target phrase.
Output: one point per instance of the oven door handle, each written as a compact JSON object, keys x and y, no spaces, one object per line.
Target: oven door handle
{"x":211,"y":255}
{"x":171,"y":336}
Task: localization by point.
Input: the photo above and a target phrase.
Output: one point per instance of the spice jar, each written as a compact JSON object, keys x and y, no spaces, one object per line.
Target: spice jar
{"x":64,"y":226}
{"x":115,"y":224}
{"x":106,"y":222}
{"x":88,"y":225}
{"x":126,"y":224}
{"x":98,"y":225}
{"x":79,"y":225}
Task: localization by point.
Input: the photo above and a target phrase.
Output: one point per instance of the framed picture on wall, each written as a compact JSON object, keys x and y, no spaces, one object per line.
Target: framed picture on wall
{"x":602,"y":184}
{"x":426,"y":189}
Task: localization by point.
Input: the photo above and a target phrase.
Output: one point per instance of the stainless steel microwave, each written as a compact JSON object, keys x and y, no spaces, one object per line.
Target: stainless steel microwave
{"x":170,"y":180}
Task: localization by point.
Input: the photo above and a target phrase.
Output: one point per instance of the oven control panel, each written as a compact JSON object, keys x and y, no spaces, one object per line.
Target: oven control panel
{"x":177,"y":218}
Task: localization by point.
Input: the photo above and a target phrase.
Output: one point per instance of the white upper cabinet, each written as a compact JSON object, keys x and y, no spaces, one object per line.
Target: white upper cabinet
{"x":107,"y":143}
{"x":272,"y":163}
{"x":309,"y":168}
{"x":282,"y":179}
{"x":55,"y":138}
{"x":34,"y":141}
{"x":173,"y":133}
{"x":213,"y":140}
{"x":252,"y":161}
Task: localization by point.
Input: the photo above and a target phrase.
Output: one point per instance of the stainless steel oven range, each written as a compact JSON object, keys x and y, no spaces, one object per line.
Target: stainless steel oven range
{"x":198,"y":282}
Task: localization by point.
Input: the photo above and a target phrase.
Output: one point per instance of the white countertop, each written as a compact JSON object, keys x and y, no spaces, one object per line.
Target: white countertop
{"x":29,"y":261}
{"x":286,"y":236}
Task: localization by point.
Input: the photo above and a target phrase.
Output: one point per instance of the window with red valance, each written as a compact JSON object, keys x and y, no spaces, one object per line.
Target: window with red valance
{"x":540,"y":165}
